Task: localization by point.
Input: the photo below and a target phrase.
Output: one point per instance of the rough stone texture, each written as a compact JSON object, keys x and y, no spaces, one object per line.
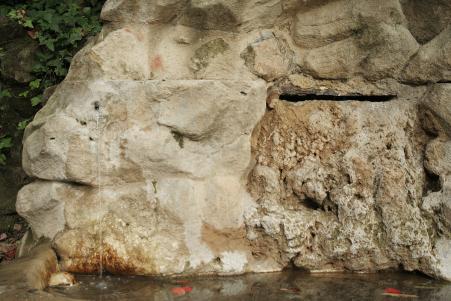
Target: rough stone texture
{"x":345,"y":38}
{"x":156,"y":156}
{"x":344,"y":172}
{"x":432,"y":63}
{"x":437,"y":201}
{"x":426,"y":19}
{"x":268,"y":57}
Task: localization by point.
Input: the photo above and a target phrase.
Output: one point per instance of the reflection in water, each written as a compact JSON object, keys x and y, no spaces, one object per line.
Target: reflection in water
{"x":253,"y":287}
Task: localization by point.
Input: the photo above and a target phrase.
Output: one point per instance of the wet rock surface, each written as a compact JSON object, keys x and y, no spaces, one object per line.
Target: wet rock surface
{"x":157,"y":156}
{"x":31,"y":272}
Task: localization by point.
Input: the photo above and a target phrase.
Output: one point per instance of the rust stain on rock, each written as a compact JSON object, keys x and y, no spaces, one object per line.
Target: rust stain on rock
{"x":111,"y":262}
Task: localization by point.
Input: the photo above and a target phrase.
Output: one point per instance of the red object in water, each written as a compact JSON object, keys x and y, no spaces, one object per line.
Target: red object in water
{"x":391,"y":290}
{"x":187,"y":289}
{"x":180,"y":291}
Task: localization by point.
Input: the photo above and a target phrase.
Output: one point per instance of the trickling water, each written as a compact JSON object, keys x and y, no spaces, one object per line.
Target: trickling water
{"x":99,"y":183}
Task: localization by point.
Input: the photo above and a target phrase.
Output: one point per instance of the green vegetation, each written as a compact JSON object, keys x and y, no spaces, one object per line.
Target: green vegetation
{"x":60,"y":28}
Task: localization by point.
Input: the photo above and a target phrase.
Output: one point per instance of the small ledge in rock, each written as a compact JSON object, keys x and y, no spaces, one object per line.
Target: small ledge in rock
{"x":330,"y":97}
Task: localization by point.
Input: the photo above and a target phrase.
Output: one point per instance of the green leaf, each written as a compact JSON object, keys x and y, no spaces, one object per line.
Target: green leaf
{"x":60,"y":70}
{"x":13,"y":14}
{"x":5,"y":93}
{"x":36,"y":100}
{"x":75,"y":36}
{"x":50,"y":45}
{"x":28,"y":23}
{"x":5,"y":142}
{"x":23,"y":124}
{"x":24,"y":93}
{"x":35,"y":84}
{"x":2,"y":159}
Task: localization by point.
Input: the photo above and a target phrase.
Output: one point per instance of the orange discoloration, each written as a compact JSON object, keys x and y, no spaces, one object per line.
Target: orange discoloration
{"x":230,"y":239}
{"x":112,"y":263}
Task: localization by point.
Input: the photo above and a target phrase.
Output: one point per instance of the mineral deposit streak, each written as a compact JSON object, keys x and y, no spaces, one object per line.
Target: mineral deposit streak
{"x":99,"y":183}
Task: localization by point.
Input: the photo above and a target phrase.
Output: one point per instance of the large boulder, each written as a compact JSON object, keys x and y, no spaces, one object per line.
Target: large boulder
{"x":156,"y":171}
{"x":156,"y":156}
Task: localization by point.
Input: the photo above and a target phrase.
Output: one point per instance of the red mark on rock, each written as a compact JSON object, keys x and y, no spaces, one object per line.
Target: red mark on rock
{"x":156,"y":63}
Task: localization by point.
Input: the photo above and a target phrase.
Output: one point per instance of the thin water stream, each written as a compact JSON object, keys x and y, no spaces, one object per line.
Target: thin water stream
{"x":99,"y":133}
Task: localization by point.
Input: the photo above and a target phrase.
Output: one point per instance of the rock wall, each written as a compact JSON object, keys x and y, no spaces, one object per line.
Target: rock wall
{"x":223,"y":137}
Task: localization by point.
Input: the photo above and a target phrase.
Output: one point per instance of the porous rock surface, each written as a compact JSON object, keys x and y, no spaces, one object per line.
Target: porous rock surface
{"x":223,"y":137}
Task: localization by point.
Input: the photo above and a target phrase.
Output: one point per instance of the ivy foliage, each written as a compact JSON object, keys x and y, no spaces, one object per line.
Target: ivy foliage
{"x":60,"y":28}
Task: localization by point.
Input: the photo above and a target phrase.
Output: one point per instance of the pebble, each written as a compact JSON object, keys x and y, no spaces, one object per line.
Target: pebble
{"x":62,"y":279}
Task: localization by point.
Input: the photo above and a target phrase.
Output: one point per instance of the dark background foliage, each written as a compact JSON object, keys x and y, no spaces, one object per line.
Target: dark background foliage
{"x":38,"y":39}
{"x":56,"y":30}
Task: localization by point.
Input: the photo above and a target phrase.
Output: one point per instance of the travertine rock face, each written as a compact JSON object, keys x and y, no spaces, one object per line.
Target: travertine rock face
{"x":200,"y":137}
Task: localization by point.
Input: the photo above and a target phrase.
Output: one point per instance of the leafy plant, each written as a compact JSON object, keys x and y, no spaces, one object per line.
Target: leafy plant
{"x":5,"y":143}
{"x":4,"y":93}
{"x":60,"y":28}
{"x":23,"y":124}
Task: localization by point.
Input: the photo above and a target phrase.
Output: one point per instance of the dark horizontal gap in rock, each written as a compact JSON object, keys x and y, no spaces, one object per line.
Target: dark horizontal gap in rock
{"x":307,"y":97}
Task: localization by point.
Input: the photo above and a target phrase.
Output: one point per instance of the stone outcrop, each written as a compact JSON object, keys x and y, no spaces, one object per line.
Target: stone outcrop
{"x":223,"y":137}
{"x":30,"y":273}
